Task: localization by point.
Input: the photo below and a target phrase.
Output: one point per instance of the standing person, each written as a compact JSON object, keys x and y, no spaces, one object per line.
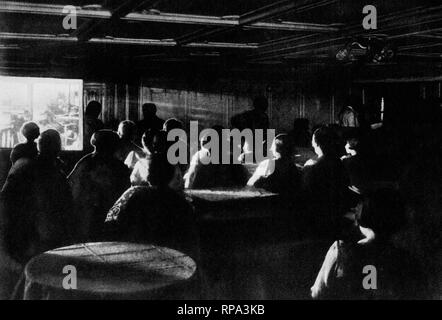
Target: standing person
{"x":97,"y":181}
{"x":150,"y":119}
{"x":28,"y":149}
{"x":91,"y":124}
{"x":348,"y":117}
{"x":254,"y":119}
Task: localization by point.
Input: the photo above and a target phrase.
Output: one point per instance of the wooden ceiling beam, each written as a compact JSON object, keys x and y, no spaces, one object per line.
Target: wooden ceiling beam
{"x":279,"y":8}
{"x":123,"y":41}
{"x":117,"y":9}
{"x":395,"y":26}
{"x":253,"y":19}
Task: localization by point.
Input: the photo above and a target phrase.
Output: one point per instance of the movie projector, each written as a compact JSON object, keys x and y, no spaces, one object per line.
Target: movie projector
{"x":371,"y":49}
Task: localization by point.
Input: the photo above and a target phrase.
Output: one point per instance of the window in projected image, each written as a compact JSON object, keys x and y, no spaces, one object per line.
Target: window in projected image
{"x":51,"y":103}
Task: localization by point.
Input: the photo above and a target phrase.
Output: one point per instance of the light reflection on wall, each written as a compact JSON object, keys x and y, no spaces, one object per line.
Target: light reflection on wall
{"x":51,"y":103}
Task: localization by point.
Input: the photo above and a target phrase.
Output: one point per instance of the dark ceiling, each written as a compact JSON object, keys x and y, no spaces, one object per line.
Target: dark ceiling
{"x":247,"y":32}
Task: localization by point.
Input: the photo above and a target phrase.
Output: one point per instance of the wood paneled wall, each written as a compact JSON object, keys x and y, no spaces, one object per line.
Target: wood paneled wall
{"x":216,"y":104}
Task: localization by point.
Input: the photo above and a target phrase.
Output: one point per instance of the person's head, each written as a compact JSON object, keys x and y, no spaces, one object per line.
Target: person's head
{"x":260,"y":104}
{"x":127,"y":130}
{"x":171,"y":124}
{"x":160,"y":171}
{"x":383,"y":212}
{"x":353,"y":146}
{"x":93,"y":109}
{"x":30,"y":131}
{"x":324,"y":141}
{"x":105,"y":142}
{"x":207,"y":138}
{"x":154,"y":141}
{"x":282,"y":146}
{"x":350,"y":101}
{"x":49,"y":144}
{"x":149,"y":110}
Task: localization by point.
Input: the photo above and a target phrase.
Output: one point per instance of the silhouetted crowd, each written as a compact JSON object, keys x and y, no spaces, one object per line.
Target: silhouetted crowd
{"x":374,"y":196}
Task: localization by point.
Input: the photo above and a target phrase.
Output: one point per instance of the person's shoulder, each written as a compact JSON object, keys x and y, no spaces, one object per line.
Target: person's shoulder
{"x":126,"y":199}
{"x":143,"y":163}
{"x":310,"y":163}
{"x":85,"y":160}
{"x":24,"y":164}
{"x":200,"y":155}
{"x":266,"y":162}
{"x":82,"y":164}
{"x":20,"y":146}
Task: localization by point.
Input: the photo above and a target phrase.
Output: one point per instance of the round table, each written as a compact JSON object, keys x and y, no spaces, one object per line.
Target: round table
{"x":233,"y":203}
{"x":109,"y":270}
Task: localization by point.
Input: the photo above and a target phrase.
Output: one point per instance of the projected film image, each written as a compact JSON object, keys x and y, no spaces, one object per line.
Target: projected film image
{"x":51,"y":103}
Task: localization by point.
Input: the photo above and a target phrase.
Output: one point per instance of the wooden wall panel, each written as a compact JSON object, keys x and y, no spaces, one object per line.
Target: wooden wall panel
{"x":217,"y":104}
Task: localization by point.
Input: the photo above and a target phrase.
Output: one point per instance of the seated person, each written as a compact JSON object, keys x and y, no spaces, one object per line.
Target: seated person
{"x":279,"y":173}
{"x":247,"y":153}
{"x":156,"y":214}
{"x":203,"y":174}
{"x":28,"y":149}
{"x":36,"y":204}
{"x":348,"y":269}
{"x":97,"y":181}
{"x":154,"y":143}
{"x":170,"y":125}
{"x":128,"y":152}
{"x":325,"y":185}
{"x":356,"y":163}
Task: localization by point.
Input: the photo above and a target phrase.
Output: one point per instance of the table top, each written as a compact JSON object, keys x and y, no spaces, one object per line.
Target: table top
{"x":223,"y":194}
{"x":112,"y":267}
